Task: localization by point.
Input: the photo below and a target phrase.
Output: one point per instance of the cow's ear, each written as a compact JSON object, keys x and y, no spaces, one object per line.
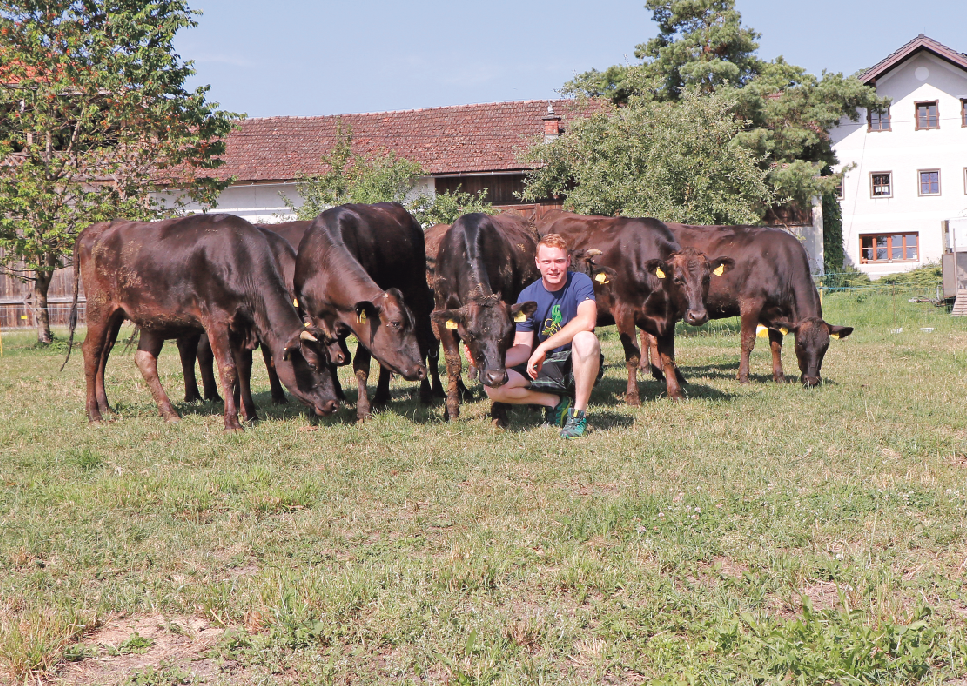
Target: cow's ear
{"x":720,"y":265}
{"x":658,"y":268}
{"x":839,"y":331}
{"x":295,"y":342}
{"x":365,"y":310}
{"x":448,"y":318}
{"x":525,"y":308}
{"x":603,"y":275}
{"x":785,"y":327}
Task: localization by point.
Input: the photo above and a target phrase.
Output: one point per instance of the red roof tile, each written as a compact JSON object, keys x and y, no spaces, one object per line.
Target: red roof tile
{"x":444,"y":140}
{"x":921,"y":42}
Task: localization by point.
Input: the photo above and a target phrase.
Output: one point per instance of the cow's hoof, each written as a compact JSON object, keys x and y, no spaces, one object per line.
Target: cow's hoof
{"x":280,"y":401}
{"x":632,"y":400}
{"x":172,"y":419}
{"x":214,"y":399}
{"x":192,"y":398}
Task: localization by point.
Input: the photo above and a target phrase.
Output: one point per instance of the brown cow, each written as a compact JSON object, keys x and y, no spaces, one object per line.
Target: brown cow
{"x":360,"y":269}
{"x":656,"y":283}
{"x":211,"y":272}
{"x":483,"y":264}
{"x":771,"y":285}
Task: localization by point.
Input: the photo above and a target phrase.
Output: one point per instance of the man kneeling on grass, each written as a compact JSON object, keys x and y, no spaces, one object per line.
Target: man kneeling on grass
{"x":560,"y":372}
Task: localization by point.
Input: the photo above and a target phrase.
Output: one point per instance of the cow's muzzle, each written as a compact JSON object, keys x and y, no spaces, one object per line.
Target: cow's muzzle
{"x":326,"y":408}
{"x":494,"y":377}
{"x":696,"y":317}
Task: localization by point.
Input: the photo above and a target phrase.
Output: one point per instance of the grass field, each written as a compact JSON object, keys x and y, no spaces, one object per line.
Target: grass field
{"x":752,"y":534}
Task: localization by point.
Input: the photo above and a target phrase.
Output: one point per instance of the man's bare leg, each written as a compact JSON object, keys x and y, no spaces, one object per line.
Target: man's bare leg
{"x":585,"y":363}
{"x":516,"y":392}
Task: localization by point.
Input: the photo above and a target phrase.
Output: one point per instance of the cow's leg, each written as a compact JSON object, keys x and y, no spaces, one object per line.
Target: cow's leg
{"x":243,"y":388}
{"x":382,"y":387}
{"x":626,"y":333}
{"x":98,"y":332}
{"x":206,"y":365}
{"x":146,"y":357}
{"x":278,"y":393}
{"x":451,"y":353}
{"x":361,"y":362}
{"x":334,"y":372}
{"x":775,"y":343}
{"x":650,"y":358}
{"x":498,"y":414}
{"x":749,"y":322}
{"x":112,"y":336}
{"x":433,"y":362}
{"x":187,"y":350}
{"x":666,"y":350}
{"x":221,"y":347}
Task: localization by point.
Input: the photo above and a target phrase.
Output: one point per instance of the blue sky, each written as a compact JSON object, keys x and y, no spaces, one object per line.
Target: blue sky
{"x":293,"y":57}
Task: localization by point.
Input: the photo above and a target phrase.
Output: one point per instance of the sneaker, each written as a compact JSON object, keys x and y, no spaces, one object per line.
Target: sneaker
{"x":577,"y":424}
{"x":555,"y":416}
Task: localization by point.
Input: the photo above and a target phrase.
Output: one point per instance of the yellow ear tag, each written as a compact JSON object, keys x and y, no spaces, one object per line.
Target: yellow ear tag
{"x":719,"y":270}
{"x":659,"y":273}
{"x":306,"y":324}
{"x":521,"y":317}
{"x":784,"y":330}
{"x":834,"y":335}
{"x":361,"y":317}
{"x":761,"y":331}
{"x":451,"y":324}
{"x":295,"y":302}
{"x":601,"y":277}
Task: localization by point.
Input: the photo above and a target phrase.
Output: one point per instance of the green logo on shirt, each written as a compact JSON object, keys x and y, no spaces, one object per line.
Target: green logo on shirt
{"x":553,"y":323}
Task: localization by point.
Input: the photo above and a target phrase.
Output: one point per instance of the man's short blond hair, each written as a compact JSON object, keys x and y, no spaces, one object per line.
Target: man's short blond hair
{"x":554,"y":240}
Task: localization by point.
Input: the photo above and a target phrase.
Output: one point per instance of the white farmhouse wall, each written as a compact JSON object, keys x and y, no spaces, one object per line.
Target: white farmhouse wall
{"x":262,"y":204}
{"x":904,"y":151}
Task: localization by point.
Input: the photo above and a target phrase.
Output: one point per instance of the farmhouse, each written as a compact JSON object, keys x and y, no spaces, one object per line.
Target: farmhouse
{"x":904,"y":194}
{"x":471,"y":147}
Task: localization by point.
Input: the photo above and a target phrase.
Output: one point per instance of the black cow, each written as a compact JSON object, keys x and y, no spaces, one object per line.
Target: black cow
{"x":360,"y":269}
{"x":483,"y":264}
{"x":656,"y":283}
{"x":208,"y":272}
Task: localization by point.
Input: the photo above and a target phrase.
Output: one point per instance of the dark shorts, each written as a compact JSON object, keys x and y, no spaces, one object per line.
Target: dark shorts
{"x":556,"y":376}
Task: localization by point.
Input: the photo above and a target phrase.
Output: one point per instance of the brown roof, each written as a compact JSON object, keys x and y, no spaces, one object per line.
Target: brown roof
{"x":443,"y":140}
{"x":921,"y":42}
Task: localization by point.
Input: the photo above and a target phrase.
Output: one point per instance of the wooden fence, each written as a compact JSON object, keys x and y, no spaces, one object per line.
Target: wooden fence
{"x":18,"y":306}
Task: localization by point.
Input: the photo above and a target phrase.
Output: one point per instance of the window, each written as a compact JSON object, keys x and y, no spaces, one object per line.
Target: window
{"x":891,"y":247}
{"x":927,"y":116}
{"x":878,"y":120}
{"x":838,"y":191}
{"x":929,"y":181}
{"x":881,"y":185}
{"x":963,"y":112}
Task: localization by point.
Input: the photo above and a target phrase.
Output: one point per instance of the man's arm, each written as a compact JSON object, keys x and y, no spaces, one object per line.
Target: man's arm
{"x":585,"y":320}
{"x":521,"y":350}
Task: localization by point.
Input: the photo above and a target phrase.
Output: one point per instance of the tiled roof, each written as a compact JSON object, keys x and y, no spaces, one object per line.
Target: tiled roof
{"x":443,"y":140}
{"x":921,"y":42}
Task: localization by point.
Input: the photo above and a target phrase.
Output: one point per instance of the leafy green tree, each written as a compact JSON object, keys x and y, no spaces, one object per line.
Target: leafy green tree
{"x":386,"y":177}
{"x":677,"y":161}
{"x":94,"y":119}
{"x":703,"y":47}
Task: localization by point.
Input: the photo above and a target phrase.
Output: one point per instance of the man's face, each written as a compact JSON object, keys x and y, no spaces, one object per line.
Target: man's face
{"x":553,"y":264}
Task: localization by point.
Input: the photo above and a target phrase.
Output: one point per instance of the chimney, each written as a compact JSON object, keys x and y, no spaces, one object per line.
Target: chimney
{"x":552,"y":124}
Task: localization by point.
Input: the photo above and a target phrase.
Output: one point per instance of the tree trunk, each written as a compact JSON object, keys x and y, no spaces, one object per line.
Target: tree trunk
{"x":41,"y":286}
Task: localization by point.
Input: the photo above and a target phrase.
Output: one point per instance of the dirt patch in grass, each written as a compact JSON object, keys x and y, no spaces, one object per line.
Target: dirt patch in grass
{"x":127,"y":645}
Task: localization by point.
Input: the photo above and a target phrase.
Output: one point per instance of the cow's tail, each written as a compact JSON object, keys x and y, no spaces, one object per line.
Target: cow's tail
{"x":72,"y":322}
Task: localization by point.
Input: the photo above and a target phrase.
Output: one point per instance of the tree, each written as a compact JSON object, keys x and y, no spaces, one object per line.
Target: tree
{"x":703,"y":47}
{"x":676,"y":161}
{"x":386,"y":177}
{"x":94,"y":119}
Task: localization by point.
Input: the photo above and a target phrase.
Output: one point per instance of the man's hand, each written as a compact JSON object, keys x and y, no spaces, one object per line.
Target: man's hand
{"x":535,"y":362}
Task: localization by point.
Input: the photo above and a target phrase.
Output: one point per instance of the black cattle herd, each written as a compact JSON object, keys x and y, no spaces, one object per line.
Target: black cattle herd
{"x":222,"y":287}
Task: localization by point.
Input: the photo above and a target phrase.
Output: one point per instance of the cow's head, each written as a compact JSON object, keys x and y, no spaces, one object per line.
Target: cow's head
{"x":812,"y":342}
{"x":304,"y":370}
{"x":686,"y":275}
{"x":603,"y":277}
{"x":387,"y":328}
{"x":486,"y":326}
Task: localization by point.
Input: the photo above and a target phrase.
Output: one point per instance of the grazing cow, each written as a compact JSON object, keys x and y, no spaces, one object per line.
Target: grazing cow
{"x":208,"y":272}
{"x":656,"y":283}
{"x":771,"y":285}
{"x":360,"y":270}
{"x":483,"y":264}
{"x":197,"y":345}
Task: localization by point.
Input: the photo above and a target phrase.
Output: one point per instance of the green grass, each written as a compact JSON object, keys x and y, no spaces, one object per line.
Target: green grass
{"x":750,"y":534}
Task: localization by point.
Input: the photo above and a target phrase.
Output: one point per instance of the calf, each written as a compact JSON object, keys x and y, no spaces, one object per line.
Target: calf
{"x":656,"y":283}
{"x":360,"y":269}
{"x":483,"y":264}
{"x":771,"y":286}
{"x":206,"y":272}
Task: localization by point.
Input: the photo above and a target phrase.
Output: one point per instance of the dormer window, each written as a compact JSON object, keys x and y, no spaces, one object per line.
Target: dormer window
{"x":927,"y":115}
{"x":878,"y":120}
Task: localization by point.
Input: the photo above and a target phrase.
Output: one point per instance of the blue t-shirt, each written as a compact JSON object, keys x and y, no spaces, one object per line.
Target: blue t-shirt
{"x":555,"y":308}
